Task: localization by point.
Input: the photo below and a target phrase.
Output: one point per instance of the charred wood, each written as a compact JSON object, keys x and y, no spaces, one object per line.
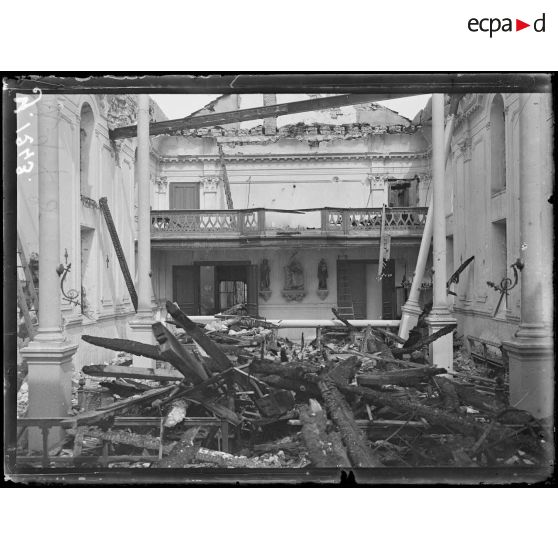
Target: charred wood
{"x":325,"y":450}
{"x":358,"y":450}
{"x":135,"y":372}
{"x":173,"y":352}
{"x":125,"y":345}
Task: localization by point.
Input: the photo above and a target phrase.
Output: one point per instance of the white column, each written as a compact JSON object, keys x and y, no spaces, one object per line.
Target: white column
{"x":441,"y":351}
{"x":411,"y":310}
{"x":531,"y":353}
{"x":141,"y":324}
{"x":144,"y":215}
{"x":49,"y":357}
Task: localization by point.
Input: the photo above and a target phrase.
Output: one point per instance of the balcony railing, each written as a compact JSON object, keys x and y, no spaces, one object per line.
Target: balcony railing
{"x":328,"y":222}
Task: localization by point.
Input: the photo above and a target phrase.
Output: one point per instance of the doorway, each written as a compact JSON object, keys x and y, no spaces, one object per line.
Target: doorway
{"x":208,"y":288}
{"x":359,"y":288}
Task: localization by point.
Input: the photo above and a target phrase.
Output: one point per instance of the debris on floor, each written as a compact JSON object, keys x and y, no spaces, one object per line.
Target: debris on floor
{"x":234,"y":393}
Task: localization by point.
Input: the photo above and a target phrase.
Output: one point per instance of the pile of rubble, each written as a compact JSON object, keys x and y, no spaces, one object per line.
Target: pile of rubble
{"x":236,"y":394}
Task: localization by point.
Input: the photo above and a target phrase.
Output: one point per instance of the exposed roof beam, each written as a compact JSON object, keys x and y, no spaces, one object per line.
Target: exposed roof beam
{"x":220,"y":118}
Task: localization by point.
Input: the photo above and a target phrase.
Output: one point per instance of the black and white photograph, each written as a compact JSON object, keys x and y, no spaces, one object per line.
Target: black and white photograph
{"x":279,"y":278}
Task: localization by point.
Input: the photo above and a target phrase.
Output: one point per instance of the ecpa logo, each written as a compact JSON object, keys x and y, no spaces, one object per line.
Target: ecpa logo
{"x":494,"y":24}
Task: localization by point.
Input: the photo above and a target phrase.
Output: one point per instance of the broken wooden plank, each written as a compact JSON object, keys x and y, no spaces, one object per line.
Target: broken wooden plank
{"x":325,"y":450}
{"x":380,"y":359}
{"x":125,"y":345}
{"x":93,"y":417}
{"x":198,"y":336}
{"x":360,"y":454}
{"x":220,"y":410}
{"x":132,"y":372}
{"x":288,"y":369}
{"x":462,"y":424}
{"x":174,"y":352}
{"x":425,"y":340}
{"x":346,"y":370}
{"x":469,"y":395}
{"x":405,"y":377}
{"x":145,"y":441}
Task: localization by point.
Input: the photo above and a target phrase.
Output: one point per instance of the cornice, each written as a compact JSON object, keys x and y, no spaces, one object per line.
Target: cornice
{"x":293,"y":157}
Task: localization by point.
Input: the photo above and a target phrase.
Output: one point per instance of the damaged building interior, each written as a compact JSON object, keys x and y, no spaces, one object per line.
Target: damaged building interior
{"x":286,"y":280}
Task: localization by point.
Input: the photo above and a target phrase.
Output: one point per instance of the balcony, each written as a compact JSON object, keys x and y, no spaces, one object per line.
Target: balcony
{"x":269,"y":223}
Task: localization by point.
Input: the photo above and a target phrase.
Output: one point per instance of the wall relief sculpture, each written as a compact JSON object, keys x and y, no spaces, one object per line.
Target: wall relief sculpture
{"x":294,"y":281}
{"x":265,"y":271}
{"x":322,"y":280}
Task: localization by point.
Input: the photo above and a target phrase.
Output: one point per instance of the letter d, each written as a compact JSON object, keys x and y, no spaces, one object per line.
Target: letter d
{"x":542,"y":21}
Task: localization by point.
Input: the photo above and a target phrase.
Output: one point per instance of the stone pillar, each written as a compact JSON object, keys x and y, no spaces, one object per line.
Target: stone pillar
{"x":531,"y":355}
{"x":142,"y":322}
{"x":48,"y":355}
{"x":441,"y":351}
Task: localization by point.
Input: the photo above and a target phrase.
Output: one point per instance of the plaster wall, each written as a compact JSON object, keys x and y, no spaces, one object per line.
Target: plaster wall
{"x":473,"y":210}
{"x":111,"y":174}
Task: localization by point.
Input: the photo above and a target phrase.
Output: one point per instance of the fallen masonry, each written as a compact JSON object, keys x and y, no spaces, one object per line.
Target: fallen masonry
{"x":233,"y":393}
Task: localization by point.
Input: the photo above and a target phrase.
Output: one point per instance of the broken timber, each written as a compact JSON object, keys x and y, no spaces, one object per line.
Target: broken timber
{"x":173,"y":352}
{"x":125,"y":345}
{"x":405,"y":377}
{"x":103,"y":204}
{"x":226,"y":183}
{"x":358,"y":450}
{"x":135,"y":372}
{"x":217,"y":119}
{"x":325,"y":450}
{"x":93,"y":417}
{"x":425,"y":340}
{"x":198,"y":336}
{"x":144,"y":441}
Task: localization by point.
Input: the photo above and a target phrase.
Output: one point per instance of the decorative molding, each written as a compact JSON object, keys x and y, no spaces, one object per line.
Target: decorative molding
{"x":295,"y":157}
{"x":294,"y":281}
{"x":121,"y":111}
{"x":210,"y":183}
{"x":292,"y":295}
{"x":266,"y":294}
{"x":162,"y":184}
{"x":322,"y":293}
{"x":469,"y":104}
{"x":377,"y":181}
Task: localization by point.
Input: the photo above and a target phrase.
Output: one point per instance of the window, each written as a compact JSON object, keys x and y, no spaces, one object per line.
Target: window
{"x":497,"y":145}
{"x":401,"y":194}
{"x":85,"y":137}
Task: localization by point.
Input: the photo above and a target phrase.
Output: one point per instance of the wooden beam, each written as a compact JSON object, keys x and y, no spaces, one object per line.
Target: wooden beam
{"x":125,"y":345}
{"x":211,"y":348}
{"x":221,"y":118}
{"x":174,"y":353}
{"x":135,"y":372}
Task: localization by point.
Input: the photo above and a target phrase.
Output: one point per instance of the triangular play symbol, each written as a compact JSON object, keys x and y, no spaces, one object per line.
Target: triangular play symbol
{"x":519,"y":25}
